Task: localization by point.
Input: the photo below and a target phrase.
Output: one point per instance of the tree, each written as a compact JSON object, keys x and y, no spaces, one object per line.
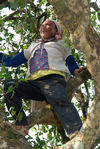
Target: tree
{"x":83,"y":37}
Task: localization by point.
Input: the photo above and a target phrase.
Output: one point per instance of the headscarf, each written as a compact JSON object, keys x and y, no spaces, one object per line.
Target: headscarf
{"x":60,"y":30}
{"x":59,"y":34}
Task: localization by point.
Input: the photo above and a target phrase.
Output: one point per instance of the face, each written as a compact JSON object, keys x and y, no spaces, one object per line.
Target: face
{"x":48,"y":29}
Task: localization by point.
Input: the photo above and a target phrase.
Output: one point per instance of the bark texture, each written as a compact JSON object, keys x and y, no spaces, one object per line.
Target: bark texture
{"x":75,"y":15}
{"x":76,"y":18}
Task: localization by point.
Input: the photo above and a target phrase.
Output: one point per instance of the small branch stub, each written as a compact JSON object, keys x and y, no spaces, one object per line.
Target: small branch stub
{"x":12,"y":1}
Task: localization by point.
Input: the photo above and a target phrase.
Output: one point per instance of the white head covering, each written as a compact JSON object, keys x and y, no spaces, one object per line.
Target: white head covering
{"x":60,"y":30}
{"x":59,"y":35}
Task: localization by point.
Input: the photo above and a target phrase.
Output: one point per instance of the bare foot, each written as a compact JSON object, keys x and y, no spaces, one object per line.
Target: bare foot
{"x":22,"y":129}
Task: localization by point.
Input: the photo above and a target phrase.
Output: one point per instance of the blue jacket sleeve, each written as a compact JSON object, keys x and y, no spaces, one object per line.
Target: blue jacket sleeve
{"x":72,"y":65}
{"x":13,"y":61}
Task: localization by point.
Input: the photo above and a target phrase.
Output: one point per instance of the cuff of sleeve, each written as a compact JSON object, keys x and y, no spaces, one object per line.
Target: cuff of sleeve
{"x":72,"y":65}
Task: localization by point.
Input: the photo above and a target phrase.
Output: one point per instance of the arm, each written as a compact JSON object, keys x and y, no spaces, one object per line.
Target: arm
{"x":13,"y":61}
{"x":73,"y":66}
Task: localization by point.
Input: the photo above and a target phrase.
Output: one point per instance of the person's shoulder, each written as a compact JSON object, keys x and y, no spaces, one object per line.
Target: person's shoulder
{"x":61,"y":42}
{"x":33,"y":44}
{"x":28,"y":51}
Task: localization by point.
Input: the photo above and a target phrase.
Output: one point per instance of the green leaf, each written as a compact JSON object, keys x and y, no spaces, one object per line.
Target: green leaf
{"x":10,"y":118}
{"x":21,"y":3}
{"x":14,"y":5}
{"x":98,"y":15}
{"x":1,"y":22}
{"x":13,"y":112}
{"x":20,"y":116}
{"x":10,"y":89}
{"x":1,"y":39}
{"x":1,"y":76}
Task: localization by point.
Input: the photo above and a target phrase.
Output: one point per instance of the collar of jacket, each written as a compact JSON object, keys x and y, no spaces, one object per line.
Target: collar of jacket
{"x":46,"y":40}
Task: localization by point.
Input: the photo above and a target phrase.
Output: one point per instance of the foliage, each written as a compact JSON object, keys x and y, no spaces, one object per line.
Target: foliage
{"x":45,"y":137}
{"x":18,"y":30}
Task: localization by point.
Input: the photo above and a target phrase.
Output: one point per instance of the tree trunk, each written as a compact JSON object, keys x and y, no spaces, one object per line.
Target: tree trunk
{"x":74,"y":14}
{"x":84,"y":38}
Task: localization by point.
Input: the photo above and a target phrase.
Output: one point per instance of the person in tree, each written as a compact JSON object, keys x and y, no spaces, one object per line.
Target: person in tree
{"x":46,"y":78}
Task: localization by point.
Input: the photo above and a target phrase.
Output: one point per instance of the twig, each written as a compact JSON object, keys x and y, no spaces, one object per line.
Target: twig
{"x":11,"y":16}
{"x":94,"y":6}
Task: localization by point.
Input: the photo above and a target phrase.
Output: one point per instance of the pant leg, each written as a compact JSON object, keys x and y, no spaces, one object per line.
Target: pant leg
{"x":13,"y":98}
{"x":54,"y":90}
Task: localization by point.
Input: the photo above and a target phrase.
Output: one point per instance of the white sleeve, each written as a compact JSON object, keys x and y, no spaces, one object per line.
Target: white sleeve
{"x":66,"y":51}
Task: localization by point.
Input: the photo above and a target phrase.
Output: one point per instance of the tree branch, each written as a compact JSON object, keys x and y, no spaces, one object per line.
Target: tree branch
{"x":74,"y":82}
{"x":94,"y":6}
{"x":11,"y":16}
{"x":8,"y":132}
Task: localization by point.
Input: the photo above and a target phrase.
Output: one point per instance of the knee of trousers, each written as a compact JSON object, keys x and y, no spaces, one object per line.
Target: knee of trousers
{"x":60,"y":101}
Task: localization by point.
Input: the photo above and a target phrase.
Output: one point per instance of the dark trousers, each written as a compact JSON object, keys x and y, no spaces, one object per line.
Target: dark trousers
{"x":50,"y":88}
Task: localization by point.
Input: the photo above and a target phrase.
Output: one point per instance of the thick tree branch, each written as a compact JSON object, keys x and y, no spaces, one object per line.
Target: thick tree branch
{"x":73,"y":83}
{"x":8,"y":132}
{"x":82,"y":37}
